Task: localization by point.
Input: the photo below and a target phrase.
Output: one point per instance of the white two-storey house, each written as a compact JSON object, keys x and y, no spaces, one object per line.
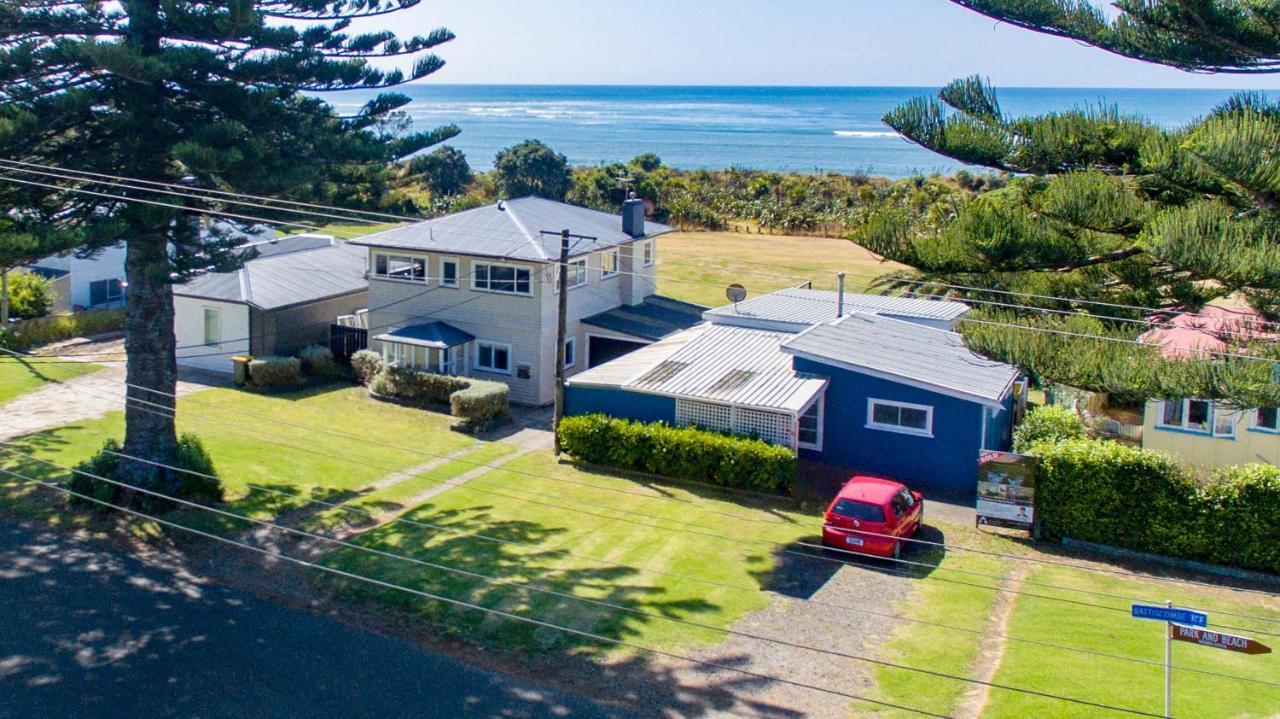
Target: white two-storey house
{"x":475,"y":293}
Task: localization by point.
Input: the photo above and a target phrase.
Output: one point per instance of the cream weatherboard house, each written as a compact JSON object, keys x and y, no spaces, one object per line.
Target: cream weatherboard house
{"x":474,"y":293}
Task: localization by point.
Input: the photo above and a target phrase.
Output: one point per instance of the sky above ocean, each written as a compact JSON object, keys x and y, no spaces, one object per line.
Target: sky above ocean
{"x":800,"y":129}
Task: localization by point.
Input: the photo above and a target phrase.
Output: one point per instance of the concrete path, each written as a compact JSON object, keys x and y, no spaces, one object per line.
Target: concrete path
{"x":87,"y":396}
{"x":91,"y":632}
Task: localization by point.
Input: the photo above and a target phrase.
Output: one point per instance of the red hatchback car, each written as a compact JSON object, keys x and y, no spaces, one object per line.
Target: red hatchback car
{"x":869,"y":515}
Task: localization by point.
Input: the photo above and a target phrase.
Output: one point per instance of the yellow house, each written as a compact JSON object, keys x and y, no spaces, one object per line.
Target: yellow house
{"x":1209,"y":435}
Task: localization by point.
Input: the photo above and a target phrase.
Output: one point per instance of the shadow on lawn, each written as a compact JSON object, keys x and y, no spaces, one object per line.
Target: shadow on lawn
{"x":801,"y":569}
{"x":31,"y":366}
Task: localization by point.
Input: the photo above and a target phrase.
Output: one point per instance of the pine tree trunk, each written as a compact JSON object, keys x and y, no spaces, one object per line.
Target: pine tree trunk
{"x":150,"y":431}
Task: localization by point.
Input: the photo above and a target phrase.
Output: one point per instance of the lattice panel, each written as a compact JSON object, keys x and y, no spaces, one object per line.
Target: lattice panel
{"x":769,"y":426}
{"x":703,"y":414}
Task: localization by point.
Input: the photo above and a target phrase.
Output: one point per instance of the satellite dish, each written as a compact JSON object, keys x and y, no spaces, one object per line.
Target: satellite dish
{"x":735,"y":293}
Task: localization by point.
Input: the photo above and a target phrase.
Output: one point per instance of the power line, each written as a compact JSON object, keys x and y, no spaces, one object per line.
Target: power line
{"x":467,"y":605}
{"x":609,"y":605}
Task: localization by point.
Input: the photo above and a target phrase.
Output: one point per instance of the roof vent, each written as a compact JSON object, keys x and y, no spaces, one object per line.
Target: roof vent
{"x":502,"y":205}
{"x":633,"y":217}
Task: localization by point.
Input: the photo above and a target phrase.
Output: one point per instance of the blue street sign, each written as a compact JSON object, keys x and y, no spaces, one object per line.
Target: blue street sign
{"x":1171,"y":614}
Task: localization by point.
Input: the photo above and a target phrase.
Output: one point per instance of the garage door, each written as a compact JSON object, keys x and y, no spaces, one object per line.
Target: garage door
{"x":603,"y":349}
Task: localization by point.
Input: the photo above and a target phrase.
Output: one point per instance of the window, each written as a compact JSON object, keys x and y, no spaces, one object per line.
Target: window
{"x":493,"y":357}
{"x":570,"y":351}
{"x":853,"y":509}
{"x":448,"y":360}
{"x":646,"y":253}
{"x":900,"y":417}
{"x":809,"y":426}
{"x":1192,"y":415}
{"x":1266,"y":419}
{"x":448,"y":273}
{"x":1224,"y":422}
{"x":212,"y":326}
{"x":577,"y":274}
{"x":398,"y":355}
{"x":400,"y":267}
{"x":502,"y":278}
{"x":105,"y":292}
{"x":608,"y":264}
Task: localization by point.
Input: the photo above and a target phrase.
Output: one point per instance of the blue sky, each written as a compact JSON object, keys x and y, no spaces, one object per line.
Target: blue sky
{"x":765,"y":42}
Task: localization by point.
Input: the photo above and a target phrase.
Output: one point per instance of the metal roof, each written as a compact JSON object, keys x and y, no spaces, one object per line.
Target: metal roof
{"x":797,"y":308}
{"x":431,"y":334}
{"x":511,"y":229}
{"x":652,"y":319}
{"x":286,"y":278}
{"x":728,"y":365}
{"x":907,"y":353}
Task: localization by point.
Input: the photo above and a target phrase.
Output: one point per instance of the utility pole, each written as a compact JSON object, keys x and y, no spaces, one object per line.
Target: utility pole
{"x":562,"y":314}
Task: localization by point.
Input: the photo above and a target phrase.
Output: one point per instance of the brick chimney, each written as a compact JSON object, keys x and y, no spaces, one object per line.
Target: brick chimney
{"x":633,"y":217}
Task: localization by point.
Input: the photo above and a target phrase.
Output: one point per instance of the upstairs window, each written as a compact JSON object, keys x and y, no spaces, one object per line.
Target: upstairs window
{"x":646,"y":251}
{"x":577,"y":274}
{"x":448,"y":273}
{"x":507,"y":279}
{"x":900,"y":417}
{"x":400,"y":267}
{"x":608,"y":264}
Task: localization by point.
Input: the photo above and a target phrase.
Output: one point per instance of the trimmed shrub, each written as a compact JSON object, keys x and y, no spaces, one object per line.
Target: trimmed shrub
{"x":680,"y":452}
{"x":275,"y":371}
{"x":317,"y":361}
{"x":44,"y":330}
{"x":1140,"y":499}
{"x":30,"y":295}
{"x":1051,"y":423}
{"x":191,"y":455}
{"x":366,"y":364}
{"x":481,"y":402}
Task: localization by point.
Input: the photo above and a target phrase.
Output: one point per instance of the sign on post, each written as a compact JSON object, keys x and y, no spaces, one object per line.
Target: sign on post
{"x":1217,"y":640}
{"x":1171,"y":614}
{"x":1006,"y":490}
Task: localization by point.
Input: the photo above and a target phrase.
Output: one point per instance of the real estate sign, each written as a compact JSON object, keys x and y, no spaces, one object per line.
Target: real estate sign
{"x":1006,"y":490}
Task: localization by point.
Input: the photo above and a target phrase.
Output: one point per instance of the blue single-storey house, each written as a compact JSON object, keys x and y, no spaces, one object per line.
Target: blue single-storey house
{"x":894,"y":396}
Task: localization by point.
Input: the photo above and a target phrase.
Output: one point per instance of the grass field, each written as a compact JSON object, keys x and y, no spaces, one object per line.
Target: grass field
{"x":696,"y":266}
{"x":19,"y":375}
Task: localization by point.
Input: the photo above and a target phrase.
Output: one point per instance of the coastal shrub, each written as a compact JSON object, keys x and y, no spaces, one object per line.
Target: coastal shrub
{"x":198,"y":483}
{"x":56,"y":328}
{"x":317,"y":361}
{"x":366,"y":364}
{"x":1051,"y":423}
{"x":275,"y":371}
{"x":30,"y":295}
{"x":1140,"y":499}
{"x":481,"y":402}
{"x":679,"y":452}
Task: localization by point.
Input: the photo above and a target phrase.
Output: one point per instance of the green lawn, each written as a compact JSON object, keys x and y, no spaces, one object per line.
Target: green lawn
{"x":697,"y":266}
{"x":19,"y":375}
{"x":516,"y":508}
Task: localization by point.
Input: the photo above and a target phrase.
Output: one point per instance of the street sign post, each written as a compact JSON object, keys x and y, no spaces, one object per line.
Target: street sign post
{"x":1170,"y":613}
{"x":1217,"y":640}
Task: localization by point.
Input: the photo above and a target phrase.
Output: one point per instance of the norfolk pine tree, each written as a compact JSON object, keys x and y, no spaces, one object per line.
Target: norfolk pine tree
{"x":1111,"y":208}
{"x":212,"y":92}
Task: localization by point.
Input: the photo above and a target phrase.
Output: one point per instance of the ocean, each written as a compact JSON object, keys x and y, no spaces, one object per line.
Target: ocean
{"x":799,"y":129}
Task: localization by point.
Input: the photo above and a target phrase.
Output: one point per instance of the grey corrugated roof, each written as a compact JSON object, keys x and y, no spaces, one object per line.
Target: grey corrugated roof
{"x":728,"y":365}
{"x":513,"y":232}
{"x":286,"y":279}
{"x":430,"y":334}
{"x":633,"y":364}
{"x":652,"y":319}
{"x":906,"y":352}
{"x":801,"y":308}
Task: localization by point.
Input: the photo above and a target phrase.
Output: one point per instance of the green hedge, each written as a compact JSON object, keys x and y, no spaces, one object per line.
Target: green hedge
{"x":679,"y":452}
{"x":477,"y":401}
{"x":366,"y":364}
{"x":481,"y":402}
{"x":317,"y":361}
{"x":44,"y":330}
{"x":275,"y":371}
{"x":1051,"y":423}
{"x":190,"y":455}
{"x":1140,"y":499}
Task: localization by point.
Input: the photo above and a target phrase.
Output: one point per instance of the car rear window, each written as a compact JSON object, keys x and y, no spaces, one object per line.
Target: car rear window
{"x":854,"y":509}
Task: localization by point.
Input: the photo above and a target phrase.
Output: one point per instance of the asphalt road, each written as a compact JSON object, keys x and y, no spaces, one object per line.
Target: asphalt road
{"x":88,"y":632}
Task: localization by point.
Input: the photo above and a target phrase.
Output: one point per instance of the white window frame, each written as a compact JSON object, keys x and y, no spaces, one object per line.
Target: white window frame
{"x":1253,"y":422}
{"x":578,"y":276}
{"x":515,"y":279}
{"x":570,"y":352}
{"x":1186,"y":412}
{"x":1230,"y":415}
{"x":216,"y":312}
{"x":426,"y":271}
{"x":616,"y":257}
{"x":457,"y":272}
{"x":820,"y":404}
{"x":494,"y":346}
{"x":872,"y":424}
{"x":647,"y":253}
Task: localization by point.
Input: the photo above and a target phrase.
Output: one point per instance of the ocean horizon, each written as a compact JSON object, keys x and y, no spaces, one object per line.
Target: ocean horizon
{"x":714,"y":127}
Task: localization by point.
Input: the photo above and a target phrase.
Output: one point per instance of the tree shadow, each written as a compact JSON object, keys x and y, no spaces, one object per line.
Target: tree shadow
{"x":802,"y":569}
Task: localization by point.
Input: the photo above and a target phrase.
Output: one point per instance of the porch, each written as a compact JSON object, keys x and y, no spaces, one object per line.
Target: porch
{"x":436,"y":347}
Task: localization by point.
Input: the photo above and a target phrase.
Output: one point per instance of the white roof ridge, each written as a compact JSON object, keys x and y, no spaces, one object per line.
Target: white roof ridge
{"x":515,"y":219}
{"x":245,"y":290}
